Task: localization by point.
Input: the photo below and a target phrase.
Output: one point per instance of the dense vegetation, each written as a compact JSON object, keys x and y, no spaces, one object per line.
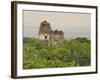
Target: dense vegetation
{"x":70,"y":53}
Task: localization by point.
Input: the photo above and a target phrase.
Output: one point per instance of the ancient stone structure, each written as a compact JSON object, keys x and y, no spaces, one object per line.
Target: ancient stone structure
{"x":47,"y":34}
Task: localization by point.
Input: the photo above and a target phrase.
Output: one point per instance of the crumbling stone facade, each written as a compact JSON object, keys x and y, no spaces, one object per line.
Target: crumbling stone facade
{"x":47,"y":34}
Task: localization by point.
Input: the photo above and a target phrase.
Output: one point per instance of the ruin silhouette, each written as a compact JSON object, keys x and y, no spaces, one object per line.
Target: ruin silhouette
{"x":47,"y":34}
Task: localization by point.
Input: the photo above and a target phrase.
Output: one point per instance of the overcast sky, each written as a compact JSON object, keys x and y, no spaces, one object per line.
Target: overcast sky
{"x":72,"y":24}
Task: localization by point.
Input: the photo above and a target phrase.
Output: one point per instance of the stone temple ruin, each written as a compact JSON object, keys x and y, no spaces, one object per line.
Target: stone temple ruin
{"x":47,"y":34}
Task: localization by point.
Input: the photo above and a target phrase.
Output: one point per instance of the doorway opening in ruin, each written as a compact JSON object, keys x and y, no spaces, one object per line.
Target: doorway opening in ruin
{"x":45,"y":37}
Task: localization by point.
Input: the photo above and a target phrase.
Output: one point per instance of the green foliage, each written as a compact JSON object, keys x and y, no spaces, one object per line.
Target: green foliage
{"x":82,"y":40}
{"x":38,"y":54}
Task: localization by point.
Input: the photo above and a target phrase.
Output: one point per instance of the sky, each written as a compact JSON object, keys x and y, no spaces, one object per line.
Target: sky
{"x":72,"y":24}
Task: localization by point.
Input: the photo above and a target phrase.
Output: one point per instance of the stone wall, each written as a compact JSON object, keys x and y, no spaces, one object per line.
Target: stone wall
{"x":46,"y":33}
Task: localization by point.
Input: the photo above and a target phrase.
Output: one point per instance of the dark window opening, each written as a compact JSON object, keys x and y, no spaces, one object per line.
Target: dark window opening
{"x":45,"y":37}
